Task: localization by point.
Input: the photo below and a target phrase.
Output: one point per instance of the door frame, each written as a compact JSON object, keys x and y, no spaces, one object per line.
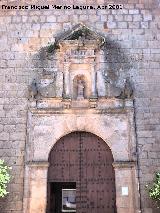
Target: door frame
{"x":117,"y":130}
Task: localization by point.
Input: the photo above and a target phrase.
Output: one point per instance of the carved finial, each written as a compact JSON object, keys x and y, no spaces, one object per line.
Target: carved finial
{"x":128,"y":90}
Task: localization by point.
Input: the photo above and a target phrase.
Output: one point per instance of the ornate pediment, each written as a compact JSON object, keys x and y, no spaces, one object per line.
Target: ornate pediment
{"x":81,"y":33}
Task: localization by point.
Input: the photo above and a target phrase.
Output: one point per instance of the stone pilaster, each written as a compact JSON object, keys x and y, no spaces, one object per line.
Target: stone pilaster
{"x":100,"y":84}
{"x":66,"y":91}
{"x":35,"y":194}
{"x":94,"y":85}
{"x":127,"y":200}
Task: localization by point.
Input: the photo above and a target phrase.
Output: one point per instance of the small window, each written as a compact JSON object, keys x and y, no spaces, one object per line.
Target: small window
{"x":68,"y":200}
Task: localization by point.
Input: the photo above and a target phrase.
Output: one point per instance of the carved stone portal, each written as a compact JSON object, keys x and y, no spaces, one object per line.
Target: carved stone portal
{"x":76,"y":70}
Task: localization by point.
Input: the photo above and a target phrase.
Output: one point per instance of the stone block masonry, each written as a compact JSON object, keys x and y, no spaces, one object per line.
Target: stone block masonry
{"x":133,"y":31}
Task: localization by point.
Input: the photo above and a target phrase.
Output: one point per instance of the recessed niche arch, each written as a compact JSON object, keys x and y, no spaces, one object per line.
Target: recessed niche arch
{"x":80,"y":79}
{"x":80,"y":72}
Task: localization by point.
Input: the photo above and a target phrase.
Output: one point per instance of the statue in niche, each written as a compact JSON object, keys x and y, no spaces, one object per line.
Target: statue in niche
{"x":80,"y":90}
{"x":111,"y":89}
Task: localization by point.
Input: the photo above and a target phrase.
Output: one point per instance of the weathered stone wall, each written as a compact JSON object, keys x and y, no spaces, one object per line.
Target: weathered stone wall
{"x":133,"y":49}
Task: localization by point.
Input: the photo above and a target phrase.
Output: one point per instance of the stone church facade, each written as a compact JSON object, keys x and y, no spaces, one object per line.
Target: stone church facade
{"x":80,"y":106}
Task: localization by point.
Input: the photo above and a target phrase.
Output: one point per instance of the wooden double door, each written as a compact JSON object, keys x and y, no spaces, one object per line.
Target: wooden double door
{"x":81,"y":163}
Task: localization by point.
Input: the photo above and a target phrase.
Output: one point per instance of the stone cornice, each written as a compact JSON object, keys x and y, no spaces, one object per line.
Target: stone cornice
{"x":59,"y":104}
{"x":79,"y":111}
{"x":124,"y":164}
{"x":37,"y":163}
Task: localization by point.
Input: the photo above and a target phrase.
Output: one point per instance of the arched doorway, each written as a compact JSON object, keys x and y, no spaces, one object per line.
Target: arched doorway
{"x":81,"y":176}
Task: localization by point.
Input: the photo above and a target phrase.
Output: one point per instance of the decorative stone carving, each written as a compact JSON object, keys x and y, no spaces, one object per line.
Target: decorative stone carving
{"x":82,"y":34}
{"x":33,"y":90}
{"x":82,"y":53}
{"x":45,"y":87}
{"x":47,"y":91}
{"x":111,"y":89}
{"x":128,"y":90}
{"x":79,"y":48}
{"x":76,"y":72}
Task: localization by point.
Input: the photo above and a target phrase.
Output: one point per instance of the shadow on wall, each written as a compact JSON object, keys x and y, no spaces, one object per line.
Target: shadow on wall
{"x":117,"y":63}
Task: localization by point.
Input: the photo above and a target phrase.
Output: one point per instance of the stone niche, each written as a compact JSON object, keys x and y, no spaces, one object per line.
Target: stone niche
{"x":79,"y":53}
{"x":75,"y":94}
{"x":79,"y":65}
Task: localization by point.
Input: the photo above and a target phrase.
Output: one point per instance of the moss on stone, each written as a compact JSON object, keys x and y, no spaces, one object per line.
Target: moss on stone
{"x":52,"y":47}
{"x":83,"y":32}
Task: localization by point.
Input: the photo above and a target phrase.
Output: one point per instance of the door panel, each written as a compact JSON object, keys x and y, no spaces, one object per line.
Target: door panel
{"x":86,"y":160}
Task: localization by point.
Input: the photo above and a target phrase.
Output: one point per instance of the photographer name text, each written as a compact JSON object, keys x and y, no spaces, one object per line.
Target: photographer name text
{"x":62,"y":7}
